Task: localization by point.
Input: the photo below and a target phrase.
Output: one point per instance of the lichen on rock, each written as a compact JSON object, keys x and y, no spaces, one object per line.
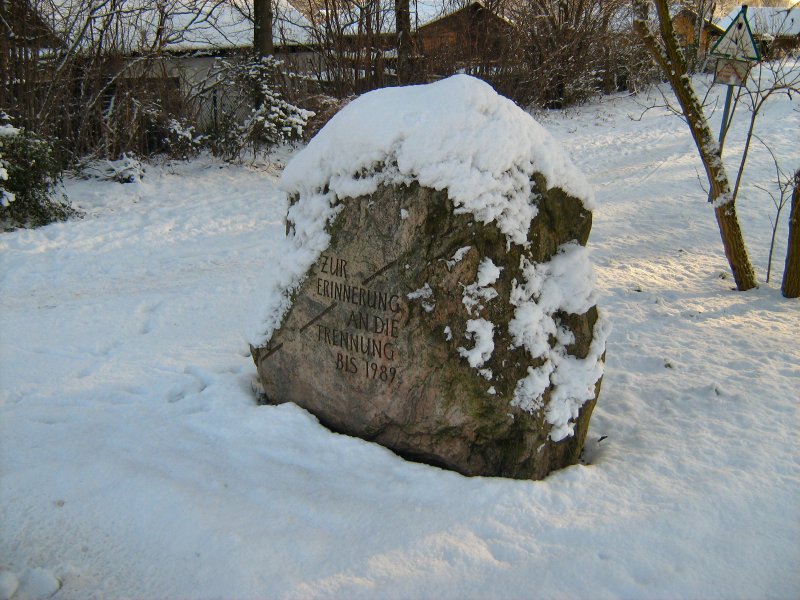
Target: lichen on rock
{"x":437,"y":295}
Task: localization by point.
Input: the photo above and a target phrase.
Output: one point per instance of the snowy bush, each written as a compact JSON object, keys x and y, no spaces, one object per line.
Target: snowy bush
{"x":183,"y":140}
{"x":323,"y":108}
{"x":30,"y":172}
{"x":6,"y":196}
{"x":581,"y":88}
{"x":136,"y":118}
{"x":126,"y":169}
{"x":273,"y":120}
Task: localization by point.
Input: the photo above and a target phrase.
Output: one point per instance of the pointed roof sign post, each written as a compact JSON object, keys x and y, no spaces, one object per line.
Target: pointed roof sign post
{"x":734,"y":50}
{"x":737,"y":42}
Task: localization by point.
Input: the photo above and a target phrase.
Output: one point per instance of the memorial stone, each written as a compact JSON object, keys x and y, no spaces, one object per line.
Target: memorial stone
{"x":438,"y":297}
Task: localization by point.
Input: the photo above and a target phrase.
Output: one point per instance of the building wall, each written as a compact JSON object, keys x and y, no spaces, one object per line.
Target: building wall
{"x":684,"y":24}
{"x":468,"y":37}
{"x":211,"y":103}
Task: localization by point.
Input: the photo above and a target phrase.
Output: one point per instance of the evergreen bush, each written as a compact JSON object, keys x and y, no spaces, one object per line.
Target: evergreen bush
{"x":31,"y":170}
{"x":272,"y":121}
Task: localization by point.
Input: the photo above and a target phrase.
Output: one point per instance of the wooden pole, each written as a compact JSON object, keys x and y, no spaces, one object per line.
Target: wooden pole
{"x":790,"y":287}
{"x":725,"y":115}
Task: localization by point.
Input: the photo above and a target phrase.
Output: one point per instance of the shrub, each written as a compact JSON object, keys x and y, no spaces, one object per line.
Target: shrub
{"x":30,"y":174}
{"x":273,"y":121}
{"x":324,"y":108}
{"x":126,"y":169}
{"x":183,"y":140}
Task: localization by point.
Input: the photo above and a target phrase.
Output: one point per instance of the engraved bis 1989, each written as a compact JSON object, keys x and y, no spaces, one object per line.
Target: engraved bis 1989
{"x":367,"y":328}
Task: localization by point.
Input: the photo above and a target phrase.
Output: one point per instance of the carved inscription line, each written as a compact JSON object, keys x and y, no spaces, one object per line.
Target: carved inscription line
{"x":272,"y":351}
{"x":357,"y":295}
{"x":379,"y":272}
{"x":318,"y":317}
{"x":355,"y":342}
{"x":366,"y":339}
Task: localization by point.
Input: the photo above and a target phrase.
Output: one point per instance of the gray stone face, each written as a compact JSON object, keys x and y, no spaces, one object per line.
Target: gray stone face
{"x":371,"y":342}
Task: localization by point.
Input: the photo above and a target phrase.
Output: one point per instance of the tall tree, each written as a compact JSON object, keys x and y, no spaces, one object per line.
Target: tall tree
{"x":262,"y":41}
{"x":791,"y":272}
{"x":666,"y":51}
{"x":262,"y":27}
{"x":405,"y":49}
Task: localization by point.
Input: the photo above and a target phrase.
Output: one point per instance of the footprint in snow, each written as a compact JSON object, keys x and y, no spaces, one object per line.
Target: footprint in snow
{"x":34,"y":584}
{"x":149,"y":313}
{"x":201,"y":380}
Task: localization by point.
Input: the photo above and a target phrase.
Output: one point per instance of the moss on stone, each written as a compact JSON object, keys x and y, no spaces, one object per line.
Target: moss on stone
{"x":438,"y":409}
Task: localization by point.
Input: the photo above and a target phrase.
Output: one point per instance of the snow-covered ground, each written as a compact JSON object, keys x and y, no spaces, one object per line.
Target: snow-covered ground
{"x":135,"y":463}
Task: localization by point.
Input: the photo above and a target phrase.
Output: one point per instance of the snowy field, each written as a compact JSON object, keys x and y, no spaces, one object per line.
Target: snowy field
{"x":134,"y":462}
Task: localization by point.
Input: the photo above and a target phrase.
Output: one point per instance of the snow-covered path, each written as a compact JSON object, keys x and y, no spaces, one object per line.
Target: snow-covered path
{"x":135,"y":463}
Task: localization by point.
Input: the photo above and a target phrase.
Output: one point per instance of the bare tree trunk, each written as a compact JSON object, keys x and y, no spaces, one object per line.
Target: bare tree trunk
{"x":262,"y":39}
{"x":791,"y":271}
{"x":705,"y":12}
{"x":405,"y":50}
{"x":262,"y":27}
{"x":668,"y":55}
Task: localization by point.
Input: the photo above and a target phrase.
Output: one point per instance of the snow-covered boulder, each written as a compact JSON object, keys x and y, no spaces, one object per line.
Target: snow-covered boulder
{"x":438,"y":296}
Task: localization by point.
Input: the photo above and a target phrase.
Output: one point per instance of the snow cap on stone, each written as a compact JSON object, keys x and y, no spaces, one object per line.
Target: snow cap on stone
{"x":457,"y":134}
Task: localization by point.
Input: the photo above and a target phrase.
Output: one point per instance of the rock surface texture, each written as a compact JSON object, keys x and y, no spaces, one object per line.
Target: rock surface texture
{"x":430,"y":327}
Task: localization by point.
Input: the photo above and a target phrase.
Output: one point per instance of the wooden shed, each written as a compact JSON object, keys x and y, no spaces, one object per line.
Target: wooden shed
{"x":685,"y":25}
{"x":25,"y":36}
{"x":472,"y":36}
